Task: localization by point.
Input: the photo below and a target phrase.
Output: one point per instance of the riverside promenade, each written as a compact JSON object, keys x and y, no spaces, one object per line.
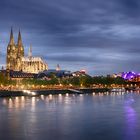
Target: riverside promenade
{"x":19,"y":92}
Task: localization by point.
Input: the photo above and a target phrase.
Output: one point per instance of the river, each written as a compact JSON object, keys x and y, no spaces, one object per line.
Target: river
{"x":71,"y":117}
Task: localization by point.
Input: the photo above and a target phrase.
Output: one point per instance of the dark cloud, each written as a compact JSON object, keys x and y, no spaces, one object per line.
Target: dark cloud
{"x":100,"y":36}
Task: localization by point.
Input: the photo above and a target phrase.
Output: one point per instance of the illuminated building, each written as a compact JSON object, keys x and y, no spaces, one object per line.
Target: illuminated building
{"x":79,"y":73}
{"x":16,"y":60}
{"x":32,"y":64}
{"x":129,"y":75}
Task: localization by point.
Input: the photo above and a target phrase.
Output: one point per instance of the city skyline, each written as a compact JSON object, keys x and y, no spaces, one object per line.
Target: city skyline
{"x":100,"y":37}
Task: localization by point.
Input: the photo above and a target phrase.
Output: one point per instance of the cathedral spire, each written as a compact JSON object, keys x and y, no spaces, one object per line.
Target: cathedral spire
{"x":19,"y":40}
{"x":20,"y":48}
{"x":11,"y":42}
{"x":30,"y":51}
{"x":57,"y":67}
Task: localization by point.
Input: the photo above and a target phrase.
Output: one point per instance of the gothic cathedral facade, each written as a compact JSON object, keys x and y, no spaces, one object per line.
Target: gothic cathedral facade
{"x":16,"y":61}
{"x":15,"y":52}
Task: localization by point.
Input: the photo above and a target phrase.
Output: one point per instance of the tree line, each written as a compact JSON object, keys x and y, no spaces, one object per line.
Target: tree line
{"x":84,"y":80}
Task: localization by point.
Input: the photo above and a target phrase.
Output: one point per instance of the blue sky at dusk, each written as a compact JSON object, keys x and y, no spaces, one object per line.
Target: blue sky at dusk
{"x":99,"y":36}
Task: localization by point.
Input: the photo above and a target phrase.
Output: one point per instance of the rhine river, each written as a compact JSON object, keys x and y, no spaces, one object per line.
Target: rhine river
{"x":71,"y":117}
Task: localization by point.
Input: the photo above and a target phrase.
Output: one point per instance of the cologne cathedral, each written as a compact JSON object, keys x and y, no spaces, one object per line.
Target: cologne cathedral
{"x":17,"y":61}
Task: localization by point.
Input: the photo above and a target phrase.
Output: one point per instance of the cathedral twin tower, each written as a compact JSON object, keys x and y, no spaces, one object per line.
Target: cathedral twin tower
{"x":15,"y":52}
{"x":16,"y":61}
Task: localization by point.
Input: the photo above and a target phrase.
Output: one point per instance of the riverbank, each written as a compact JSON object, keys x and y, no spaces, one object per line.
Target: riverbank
{"x":12,"y":93}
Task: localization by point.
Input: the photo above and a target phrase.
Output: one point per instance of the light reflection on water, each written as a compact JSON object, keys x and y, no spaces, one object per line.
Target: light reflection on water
{"x":90,"y":116}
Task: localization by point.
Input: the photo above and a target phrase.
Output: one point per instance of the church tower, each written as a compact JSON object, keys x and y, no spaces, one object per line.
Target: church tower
{"x":20,"y":52}
{"x":58,"y":67}
{"x":30,"y":52}
{"x":11,"y":53}
{"x":20,"y":47}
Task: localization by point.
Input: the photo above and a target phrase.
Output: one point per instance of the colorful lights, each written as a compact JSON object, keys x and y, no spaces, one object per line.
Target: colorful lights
{"x":129,"y":75}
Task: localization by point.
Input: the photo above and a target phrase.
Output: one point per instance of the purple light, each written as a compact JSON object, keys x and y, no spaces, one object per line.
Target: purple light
{"x":129,"y":75}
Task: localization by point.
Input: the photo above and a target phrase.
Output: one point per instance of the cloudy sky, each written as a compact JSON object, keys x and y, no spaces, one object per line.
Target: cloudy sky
{"x":97,"y":35}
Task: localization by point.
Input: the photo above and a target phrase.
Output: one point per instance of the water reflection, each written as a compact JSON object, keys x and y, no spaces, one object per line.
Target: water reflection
{"x":50,"y":97}
{"x":4,"y":101}
{"x":33,"y":103}
{"x":81,"y":116}
{"x":20,"y":102}
{"x":130,"y":118}
{"x":10,"y":103}
{"x":42,"y":97}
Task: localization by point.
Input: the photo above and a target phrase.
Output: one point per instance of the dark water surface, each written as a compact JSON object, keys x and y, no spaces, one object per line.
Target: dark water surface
{"x":69,"y":117}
